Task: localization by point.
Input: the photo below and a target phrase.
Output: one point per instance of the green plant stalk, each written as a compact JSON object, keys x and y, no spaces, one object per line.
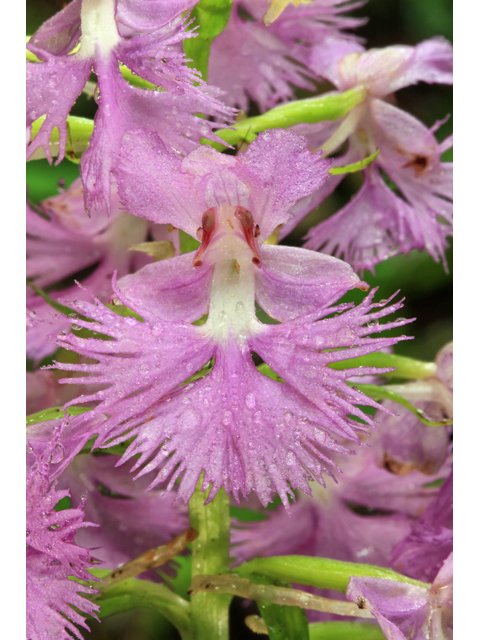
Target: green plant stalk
{"x":355,"y":166}
{"x":328,"y":107}
{"x":210,"y":555}
{"x":79,"y":132}
{"x":404,"y":367}
{"x":343,"y":630}
{"x":134,"y":593}
{"x":323,"y":573}
{"x":310,"y":110}
{"x":380,"y":392}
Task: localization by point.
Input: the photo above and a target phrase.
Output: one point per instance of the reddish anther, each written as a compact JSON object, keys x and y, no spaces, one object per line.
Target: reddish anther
{"x":207,"y":230}
{"x":251,"y":231}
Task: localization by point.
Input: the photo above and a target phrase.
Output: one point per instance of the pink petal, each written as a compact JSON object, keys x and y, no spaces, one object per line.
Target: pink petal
{"x":170,"y":289}
{"x":293,"y":282}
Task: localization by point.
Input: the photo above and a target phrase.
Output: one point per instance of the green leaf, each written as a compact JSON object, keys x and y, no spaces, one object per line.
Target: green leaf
{"x":404,"y":367}
{"x":284,"y":622}
{"x":355,"y":166}
{"x":187,"y":243}
{"x":43,"y":179}
{"x":378,"y":392}
{"x":125,"y":312}
{"x":53,"y":303}
{"x":54,"y":413}
{"x":267,"y":371}
{"x":345,"y":631}
{"x":323,"y":573}
{"x":212,"y":17}
{"x":246,"y":515}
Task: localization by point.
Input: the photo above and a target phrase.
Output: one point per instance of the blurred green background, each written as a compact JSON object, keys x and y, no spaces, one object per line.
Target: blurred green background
{"x":425,"y":284}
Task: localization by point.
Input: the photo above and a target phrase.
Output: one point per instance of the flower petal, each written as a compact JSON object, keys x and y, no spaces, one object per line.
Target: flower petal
{"x":279,"y":170}
{"x":170,"y":289}
{"x":52,"y":88}
{"x":59,"y":34}
{"x":245,"y":430}
{"x":293,"y":282}
{"x":401,"y":609}
{"x":130,"y":520}
{"x":138,"y":17}
{"x":375,"y":225}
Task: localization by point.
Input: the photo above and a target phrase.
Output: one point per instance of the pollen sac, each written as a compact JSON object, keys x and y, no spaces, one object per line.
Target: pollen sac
{"x":251,"y":231}
{"x":228,"y":233}
{"x":205,"y":234}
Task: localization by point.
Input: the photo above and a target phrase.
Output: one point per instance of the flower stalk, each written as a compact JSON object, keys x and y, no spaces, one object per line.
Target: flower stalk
{"x":273,"y":594}
{"x":210,"y":555}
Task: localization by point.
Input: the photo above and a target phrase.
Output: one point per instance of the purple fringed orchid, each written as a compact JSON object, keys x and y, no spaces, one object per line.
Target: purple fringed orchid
{"x":253,"y":61}
{"x":406,"y":611}
{"x":246,"y":431}
{"x":381,"y":221}
{"x":362,"y":518}
{"x":403,"y":443}
{"x":129,"y":520}
{"x":358,"y":518}
{"x":421,"y":554}
{"x":62,"y":241}
{"x":98,"y":34}
{"x":54,"y":601}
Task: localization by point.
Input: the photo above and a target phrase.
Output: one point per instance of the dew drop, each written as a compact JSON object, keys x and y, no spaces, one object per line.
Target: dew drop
{"x":250,"y":401}
{"x":57,"y":454}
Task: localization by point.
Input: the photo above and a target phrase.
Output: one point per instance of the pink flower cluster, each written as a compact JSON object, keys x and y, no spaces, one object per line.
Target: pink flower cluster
{"x":220,"y":362}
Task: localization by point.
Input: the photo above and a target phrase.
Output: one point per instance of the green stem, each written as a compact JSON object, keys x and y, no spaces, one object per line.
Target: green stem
{"x":342,"y":630}
{"x":134,"y":593}
{"x":378,"y":392}
{"x":210,"y":555}
{"x":327,"y":107}
{"x":79,"y":132}
{"x":323,"y":573}
{"x":404,"y":367}
{"x":310,"y":110}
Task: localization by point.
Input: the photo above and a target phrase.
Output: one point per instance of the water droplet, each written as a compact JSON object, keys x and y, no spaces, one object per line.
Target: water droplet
{"x":250,"y":401}
{"x":239,"y":308}
{"x":57,"y":454}
{"x":227,"y":418}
